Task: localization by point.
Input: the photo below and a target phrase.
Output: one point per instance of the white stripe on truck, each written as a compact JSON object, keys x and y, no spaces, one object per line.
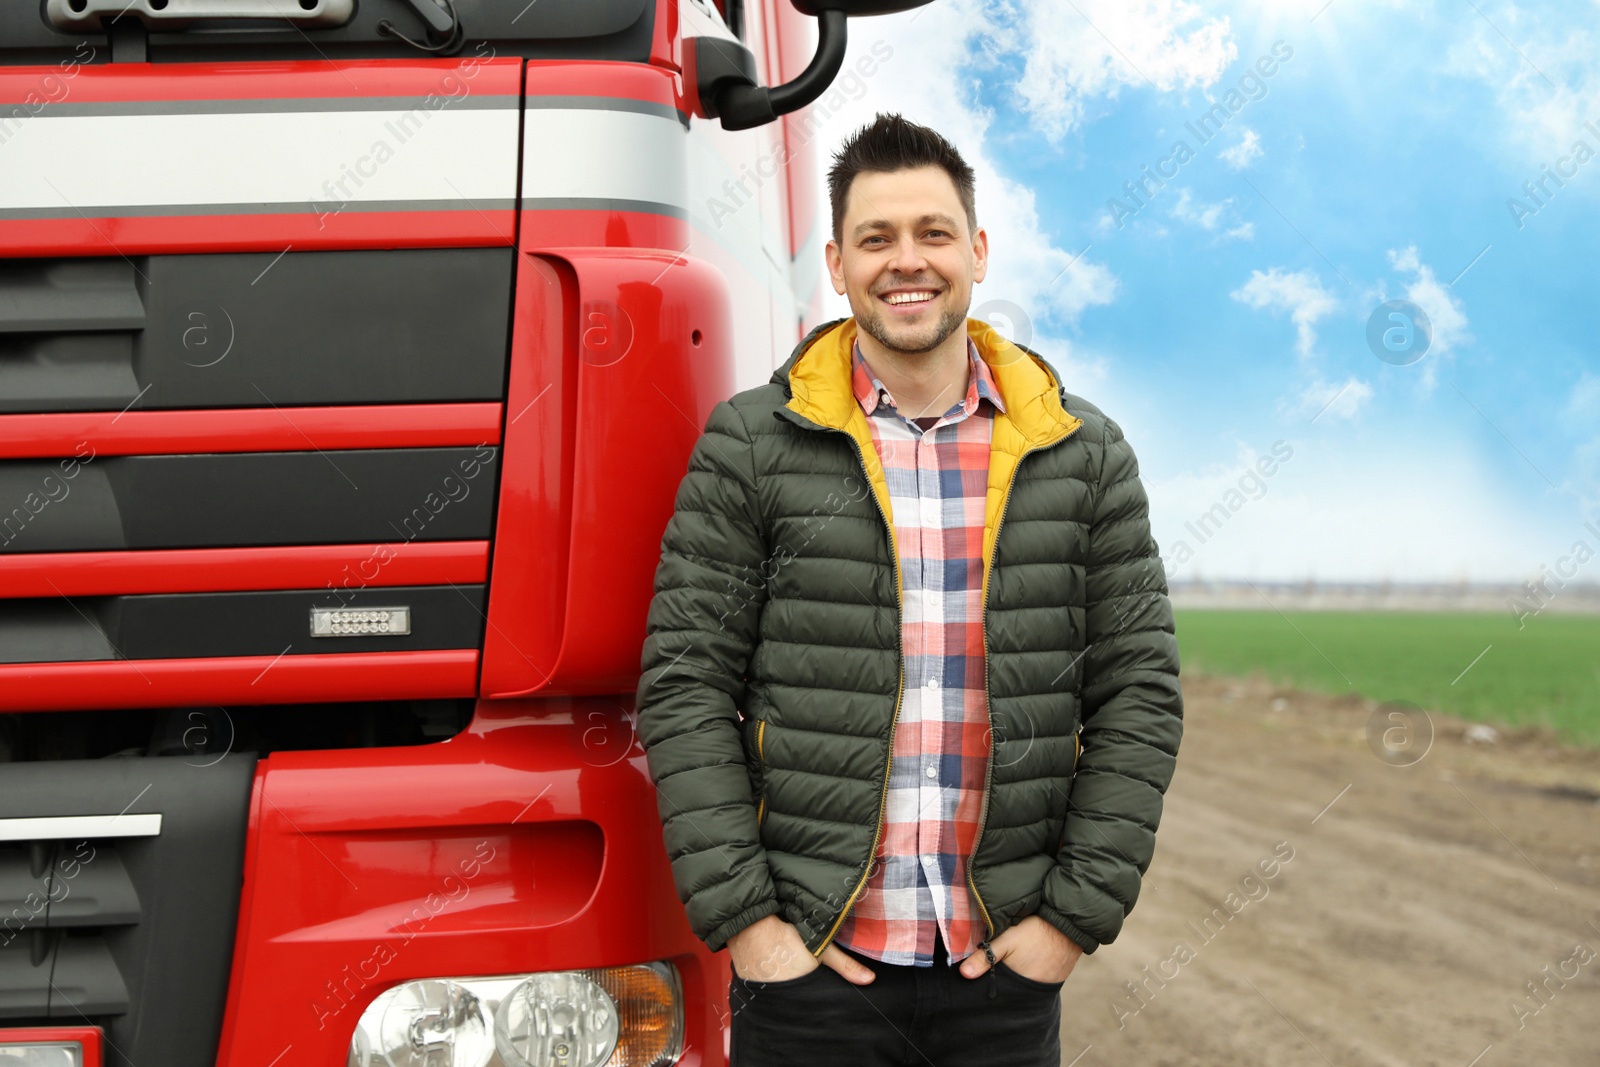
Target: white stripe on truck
{"x":59,"y":164}
{"x":583,"y":157}
{"x":277,"y":157}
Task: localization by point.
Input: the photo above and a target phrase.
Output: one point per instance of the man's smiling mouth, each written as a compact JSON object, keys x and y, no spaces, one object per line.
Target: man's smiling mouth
{"x":915,"y":296}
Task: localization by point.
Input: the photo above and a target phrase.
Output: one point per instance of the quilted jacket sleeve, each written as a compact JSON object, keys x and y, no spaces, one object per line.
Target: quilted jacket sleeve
{"x":1132,"y":713}
{"x":701,"y":629}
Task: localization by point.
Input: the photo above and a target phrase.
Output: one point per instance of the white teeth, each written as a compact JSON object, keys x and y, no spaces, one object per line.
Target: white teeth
{"x":908,"y":298}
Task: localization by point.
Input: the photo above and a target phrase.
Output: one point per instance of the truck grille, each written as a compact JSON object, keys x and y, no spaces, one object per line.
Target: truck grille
{"x":189,"y":427}
{"x":125,"y":926}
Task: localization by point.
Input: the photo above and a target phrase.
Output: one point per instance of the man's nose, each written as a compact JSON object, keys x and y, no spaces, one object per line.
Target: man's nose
{"x":908,"y":258}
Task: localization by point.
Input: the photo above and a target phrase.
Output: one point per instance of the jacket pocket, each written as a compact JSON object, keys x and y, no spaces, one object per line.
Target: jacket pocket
{"x":1077,"y":754}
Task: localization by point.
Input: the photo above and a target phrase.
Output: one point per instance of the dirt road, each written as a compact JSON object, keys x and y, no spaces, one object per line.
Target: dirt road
{"x":1311,"y":904}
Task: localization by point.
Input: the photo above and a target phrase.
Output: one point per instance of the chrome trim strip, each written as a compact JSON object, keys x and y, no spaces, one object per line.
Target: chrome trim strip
{"x":64,"y":827}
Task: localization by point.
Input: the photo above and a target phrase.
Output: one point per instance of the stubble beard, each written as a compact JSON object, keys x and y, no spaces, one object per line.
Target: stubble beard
{"x":952,"y":320}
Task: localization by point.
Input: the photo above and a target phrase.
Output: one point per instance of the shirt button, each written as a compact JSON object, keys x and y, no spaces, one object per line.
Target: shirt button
{"x":932,"y":683}
{"x":933,"y":770}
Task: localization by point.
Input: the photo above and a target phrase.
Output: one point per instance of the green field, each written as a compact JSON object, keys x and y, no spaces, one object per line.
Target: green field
{"x":1546,"y":674}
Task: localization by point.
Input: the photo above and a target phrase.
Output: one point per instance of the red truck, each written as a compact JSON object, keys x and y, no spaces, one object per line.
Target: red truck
{"x":351,"y":353}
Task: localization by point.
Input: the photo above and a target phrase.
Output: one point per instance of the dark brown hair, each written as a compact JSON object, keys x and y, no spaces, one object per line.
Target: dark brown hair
{"x":890,"y":143}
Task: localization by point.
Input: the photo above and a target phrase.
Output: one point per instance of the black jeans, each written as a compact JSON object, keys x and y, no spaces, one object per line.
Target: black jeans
{"x":907,"y":1017}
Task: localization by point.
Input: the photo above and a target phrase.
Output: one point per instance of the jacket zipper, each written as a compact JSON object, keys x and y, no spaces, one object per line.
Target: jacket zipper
{"x":883,"y":800}
{"x":983,"y":626}
{"x":761,"y":761}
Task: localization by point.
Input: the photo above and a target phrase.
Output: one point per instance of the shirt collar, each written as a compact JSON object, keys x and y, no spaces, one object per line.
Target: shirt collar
{"x":980,"y":384}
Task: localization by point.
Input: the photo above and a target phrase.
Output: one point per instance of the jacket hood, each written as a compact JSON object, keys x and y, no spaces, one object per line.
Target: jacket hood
{"x":816,"y":380}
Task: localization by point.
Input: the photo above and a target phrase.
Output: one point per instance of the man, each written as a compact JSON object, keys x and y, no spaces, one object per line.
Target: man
{"x":901,"y":577}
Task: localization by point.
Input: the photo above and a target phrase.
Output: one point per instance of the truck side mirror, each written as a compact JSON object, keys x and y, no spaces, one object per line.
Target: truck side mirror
{"x":724,"y":71}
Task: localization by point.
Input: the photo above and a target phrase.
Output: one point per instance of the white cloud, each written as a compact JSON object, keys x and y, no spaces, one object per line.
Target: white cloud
{"x":1300,"y":293}
{"x":1209,"y":217}
{"x":1239,"y":156}
{"x":1092,"y":48}
{"x":1206,"y":216}
{"x":1331,"y":400}
{"x":1546,"y":84}
{"x":1446,"y":316}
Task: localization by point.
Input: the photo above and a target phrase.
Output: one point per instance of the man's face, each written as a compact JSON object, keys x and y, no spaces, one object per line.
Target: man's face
{"x":906,"y":258}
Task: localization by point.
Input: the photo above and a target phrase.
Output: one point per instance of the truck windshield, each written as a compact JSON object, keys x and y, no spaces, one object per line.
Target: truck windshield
{"x":212,"y":30}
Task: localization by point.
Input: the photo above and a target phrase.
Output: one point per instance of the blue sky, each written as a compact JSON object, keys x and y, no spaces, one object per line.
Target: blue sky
{"x":1228,"y":311}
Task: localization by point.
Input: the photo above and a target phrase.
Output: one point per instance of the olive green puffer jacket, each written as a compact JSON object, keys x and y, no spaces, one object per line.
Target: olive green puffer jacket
{"x":772,"y":667}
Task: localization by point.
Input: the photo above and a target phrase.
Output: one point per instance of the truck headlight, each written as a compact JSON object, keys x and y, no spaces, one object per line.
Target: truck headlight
{"x":432,"y":1023}
{"x":606,"y":1017}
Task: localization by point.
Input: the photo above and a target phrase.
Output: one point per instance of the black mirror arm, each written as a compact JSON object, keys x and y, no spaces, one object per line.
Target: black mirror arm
{"x":820,"y":72}
{"x":743,"y":105}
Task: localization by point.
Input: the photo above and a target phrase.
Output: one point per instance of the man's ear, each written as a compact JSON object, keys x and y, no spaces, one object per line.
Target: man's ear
{"x":835,"y":260}
{"x":980,"y":254}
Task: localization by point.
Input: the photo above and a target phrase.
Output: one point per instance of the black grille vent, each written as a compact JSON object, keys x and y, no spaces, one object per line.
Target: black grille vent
{"x":58,"y":898}
{"x":131,"y":933}
{"x":197,"y":331}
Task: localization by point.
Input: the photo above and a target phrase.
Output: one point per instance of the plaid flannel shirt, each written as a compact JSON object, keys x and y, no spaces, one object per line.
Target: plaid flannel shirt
{"x":937,"y":479}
